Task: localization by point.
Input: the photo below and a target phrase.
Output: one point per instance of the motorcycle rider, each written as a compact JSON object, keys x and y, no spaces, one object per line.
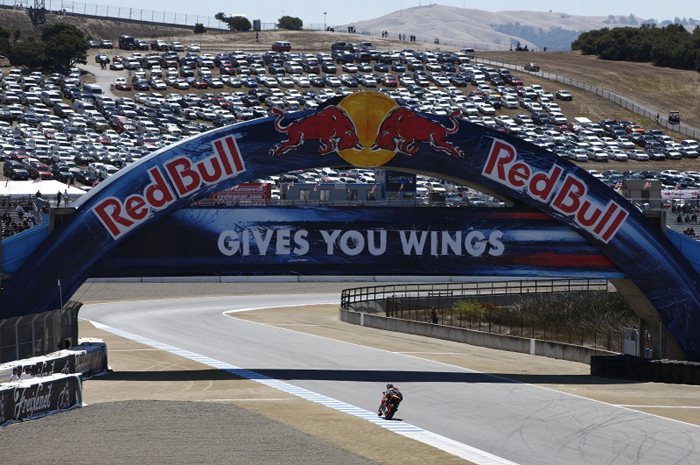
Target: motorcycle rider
{"x":391,"y":391}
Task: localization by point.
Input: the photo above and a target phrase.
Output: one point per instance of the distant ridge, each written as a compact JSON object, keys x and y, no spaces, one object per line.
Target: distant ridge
{"x":488,"y":30}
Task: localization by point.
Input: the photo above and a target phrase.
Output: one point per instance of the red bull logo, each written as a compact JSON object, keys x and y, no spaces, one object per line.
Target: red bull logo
{"x":367,"y":129}
{"x":402,"y":129}
{"x":119,"y":216}
{"x":331,"y":127}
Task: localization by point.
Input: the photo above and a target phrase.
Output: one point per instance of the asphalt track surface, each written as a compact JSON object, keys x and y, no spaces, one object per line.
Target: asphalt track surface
{"x":522,"y":423}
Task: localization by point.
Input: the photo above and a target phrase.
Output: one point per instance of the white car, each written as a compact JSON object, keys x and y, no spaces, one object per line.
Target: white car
{"x":194,"y":48}
{"x":639,"y":155}
{"x":596,"y":154}
{"x":557,"y":118}
{"x":616,"y":154}
{"x":486,"y":109}
{"x":508,"y":101}
{"x":107,"y":171}
{"x":625,"y":144}
{"x":691,"y":144}
{"x":577,"y":155}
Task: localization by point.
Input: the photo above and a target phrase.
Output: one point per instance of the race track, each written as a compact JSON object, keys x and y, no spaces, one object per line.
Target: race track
{"x":521,"y":423}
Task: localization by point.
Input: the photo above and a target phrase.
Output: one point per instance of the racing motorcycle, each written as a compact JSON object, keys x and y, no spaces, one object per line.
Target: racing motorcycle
{"x":390,"y":403}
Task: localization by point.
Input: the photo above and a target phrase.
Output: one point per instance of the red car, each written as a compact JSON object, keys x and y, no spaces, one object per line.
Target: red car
{"x":117,"y":59}
{"x":227,"y":69}
{"x":199,"y":84}
{"x":104,"y":140}
{"x":122,"y":86}
{"x":39,"y":170}
{"x":389,"y":80}
{"x":634,"y":128}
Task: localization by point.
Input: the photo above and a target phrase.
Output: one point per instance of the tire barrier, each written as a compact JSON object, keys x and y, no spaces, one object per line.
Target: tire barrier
{"x":38,"y":397}
{"x":632,"y":368}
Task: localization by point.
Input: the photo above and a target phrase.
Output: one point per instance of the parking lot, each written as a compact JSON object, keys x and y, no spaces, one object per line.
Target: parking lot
{"x":85,"y":127}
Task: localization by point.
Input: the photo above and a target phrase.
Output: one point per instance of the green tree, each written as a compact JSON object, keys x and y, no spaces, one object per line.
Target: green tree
{"x":235,"y":23}
{"x":65,"y":44}
{"x":29,"y":53}
{"x":199,"y":28}
{"x":239,"y":23}
{"x":4,"y":41}
{"x":290,"y":23}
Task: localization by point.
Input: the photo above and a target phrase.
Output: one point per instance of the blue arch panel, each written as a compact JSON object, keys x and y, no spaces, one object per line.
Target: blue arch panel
{"x":174,"y":177}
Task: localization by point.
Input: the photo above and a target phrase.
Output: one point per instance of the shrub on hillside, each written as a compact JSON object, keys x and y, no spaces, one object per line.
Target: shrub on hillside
{"x":290,"y":23}
{"x":671,"y":46}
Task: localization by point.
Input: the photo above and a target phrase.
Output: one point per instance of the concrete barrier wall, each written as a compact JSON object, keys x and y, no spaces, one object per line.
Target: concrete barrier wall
{"x":478,"y":338}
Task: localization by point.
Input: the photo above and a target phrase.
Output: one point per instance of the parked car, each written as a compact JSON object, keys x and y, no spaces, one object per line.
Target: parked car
{"x":15,"y":170}
{"x":532,"y":67}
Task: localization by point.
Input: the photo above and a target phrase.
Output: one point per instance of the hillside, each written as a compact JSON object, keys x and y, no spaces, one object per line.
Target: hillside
{"x":489,"y":30}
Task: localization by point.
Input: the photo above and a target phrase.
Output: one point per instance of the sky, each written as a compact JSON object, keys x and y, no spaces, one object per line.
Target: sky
{"x":344,"y":12}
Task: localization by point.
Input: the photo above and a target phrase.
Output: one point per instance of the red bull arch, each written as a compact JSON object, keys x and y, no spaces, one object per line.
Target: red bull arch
{"x":366,"y":129}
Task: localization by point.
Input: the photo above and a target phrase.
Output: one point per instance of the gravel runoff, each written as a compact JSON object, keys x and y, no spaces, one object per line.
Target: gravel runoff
{"x":165,"y":433}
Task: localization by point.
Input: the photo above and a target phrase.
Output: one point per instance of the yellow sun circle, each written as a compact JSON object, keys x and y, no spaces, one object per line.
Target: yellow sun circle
{"x":367,"y":110}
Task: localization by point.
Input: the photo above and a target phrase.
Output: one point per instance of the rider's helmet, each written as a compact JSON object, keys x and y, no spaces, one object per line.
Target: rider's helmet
{"x":389,"y":386}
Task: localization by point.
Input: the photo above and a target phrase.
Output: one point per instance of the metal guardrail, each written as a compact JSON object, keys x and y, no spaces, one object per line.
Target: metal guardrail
{"x":631,"y":105}
{"x":473,"y":289}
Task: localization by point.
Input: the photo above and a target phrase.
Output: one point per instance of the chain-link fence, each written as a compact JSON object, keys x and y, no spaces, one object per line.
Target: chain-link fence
{"x":631,"y":105}
{"x":502,"y":321}
{"x":39,"y":334}
{"x":168,"y":18}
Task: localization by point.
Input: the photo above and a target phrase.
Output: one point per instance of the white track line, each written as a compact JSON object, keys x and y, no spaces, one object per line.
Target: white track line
{"x":450,"y":446}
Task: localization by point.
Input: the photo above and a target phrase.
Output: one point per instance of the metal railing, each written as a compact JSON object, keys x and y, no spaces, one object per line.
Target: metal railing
{"x":168,"y":18}
{"x":631,"y":105}
{"x":502,"y":321}
{"x":435,"y":291}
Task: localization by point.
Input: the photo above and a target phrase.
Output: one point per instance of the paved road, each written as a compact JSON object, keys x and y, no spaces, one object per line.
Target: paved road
{"x":519,"y":422}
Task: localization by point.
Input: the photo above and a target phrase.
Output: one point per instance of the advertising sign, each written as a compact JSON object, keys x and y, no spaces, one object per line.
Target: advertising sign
{"x":359,"y":241}
{"x":397,"y":181}
{"x":246,"y":194}
{"x":25,"y":400}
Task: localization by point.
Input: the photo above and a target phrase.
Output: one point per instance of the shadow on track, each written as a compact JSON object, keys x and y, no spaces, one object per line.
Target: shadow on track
{"x":370,"y":376}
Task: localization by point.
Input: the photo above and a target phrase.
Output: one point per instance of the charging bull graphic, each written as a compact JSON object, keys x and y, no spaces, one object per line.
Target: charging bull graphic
{"x":403,"y":128}
{"x":331,"y":127}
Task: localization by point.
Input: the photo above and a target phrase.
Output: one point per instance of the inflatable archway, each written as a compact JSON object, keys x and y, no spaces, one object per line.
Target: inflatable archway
{"x":365,"y":129}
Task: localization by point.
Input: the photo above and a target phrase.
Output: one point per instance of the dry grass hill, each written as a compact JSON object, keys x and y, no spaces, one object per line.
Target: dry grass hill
{"x":475,"y":28}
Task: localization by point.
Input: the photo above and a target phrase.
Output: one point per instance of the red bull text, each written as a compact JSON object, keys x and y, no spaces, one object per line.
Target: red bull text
{"x":121,"y":216}
{"x":566,"y":194}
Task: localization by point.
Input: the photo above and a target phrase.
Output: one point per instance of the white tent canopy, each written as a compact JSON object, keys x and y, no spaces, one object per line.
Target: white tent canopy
{"x":47,"y":189}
